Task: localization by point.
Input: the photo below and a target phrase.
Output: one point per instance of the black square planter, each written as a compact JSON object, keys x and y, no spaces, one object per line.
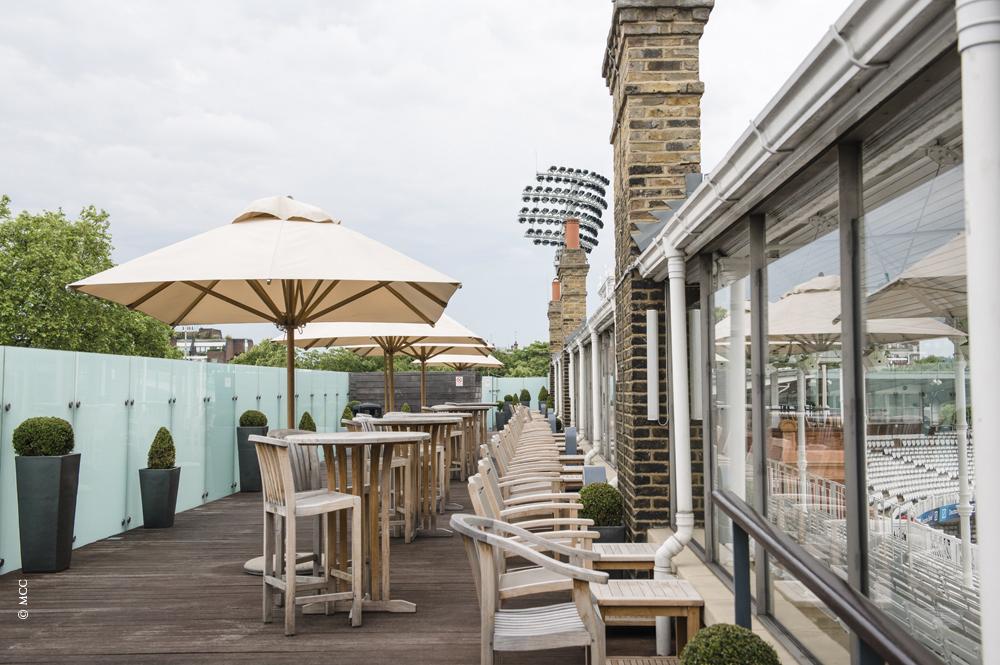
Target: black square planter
{"x":46,"y":510}
{"x":159,"y":496}
{"x":247,"y":453}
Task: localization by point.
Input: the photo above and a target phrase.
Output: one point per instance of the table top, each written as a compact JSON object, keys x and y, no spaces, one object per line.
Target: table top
{"x":356,"y":438}
{"x":461,"y":406}
{"x":647,"y":593}
{"x":416,"y":421}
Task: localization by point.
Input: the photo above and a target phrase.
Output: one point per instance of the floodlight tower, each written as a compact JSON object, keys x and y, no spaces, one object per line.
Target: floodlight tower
{"x":564,"y":193}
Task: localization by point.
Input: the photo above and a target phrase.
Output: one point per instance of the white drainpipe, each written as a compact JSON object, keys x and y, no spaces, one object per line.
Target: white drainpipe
{"x":978,"y":23}
{"x":681,"y":458}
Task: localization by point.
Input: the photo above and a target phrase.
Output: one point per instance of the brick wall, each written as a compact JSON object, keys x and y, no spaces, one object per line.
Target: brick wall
{"x":651,"y":70}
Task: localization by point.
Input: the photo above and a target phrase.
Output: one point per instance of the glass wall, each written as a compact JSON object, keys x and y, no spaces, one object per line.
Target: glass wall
{"x":730,"y":380}
{"x":919,"y":457}
{"x":117,"y":403}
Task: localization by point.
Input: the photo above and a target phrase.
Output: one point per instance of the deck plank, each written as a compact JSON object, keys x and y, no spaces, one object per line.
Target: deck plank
{"x":179,"y":595}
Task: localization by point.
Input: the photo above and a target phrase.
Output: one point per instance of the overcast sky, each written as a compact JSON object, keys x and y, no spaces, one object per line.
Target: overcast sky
{"x":415,"y":122}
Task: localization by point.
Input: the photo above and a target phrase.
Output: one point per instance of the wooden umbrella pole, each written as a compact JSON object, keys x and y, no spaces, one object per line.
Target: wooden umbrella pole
{"x":390,"y":402}
{"x":423,"y":385}
{"x":290,"y":374}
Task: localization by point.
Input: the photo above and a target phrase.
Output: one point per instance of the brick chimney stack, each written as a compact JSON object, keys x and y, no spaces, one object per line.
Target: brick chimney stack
{"x":571,"y":233}
{"x":651,"y":69}
{"x":572,"y":271}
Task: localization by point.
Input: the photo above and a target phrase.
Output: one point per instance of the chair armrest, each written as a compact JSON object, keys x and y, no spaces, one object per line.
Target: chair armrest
{"x":534,"y":508}
{"x":541,"y":497}
{"x":557,"y":521}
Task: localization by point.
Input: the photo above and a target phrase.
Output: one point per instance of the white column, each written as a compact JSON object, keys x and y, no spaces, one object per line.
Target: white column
{"x":736,"y":390}
{"x":964,"y":482}
{"x":800,"y":434}
{"x":557,"y":398}
{"x":581,"y":389}
{"x":572,"y":388}
{"x":978,"y":23}
{"x":595,"y":390}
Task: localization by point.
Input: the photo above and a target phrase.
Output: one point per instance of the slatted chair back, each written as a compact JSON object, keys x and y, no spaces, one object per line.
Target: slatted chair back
{"x":277,"y":480}
{"x":488,"y":541}
{"x":305,"y":461}
{"x":480,"y":502}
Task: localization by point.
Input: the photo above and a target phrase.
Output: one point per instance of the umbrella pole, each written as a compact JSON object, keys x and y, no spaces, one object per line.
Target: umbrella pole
{"x":390,"y":400}
{"x":964,"y":491}
{"x":290,"y":374}
{"x":423,"y":385}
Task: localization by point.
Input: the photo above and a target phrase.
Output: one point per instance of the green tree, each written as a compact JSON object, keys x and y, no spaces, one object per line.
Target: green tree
{"x":530,"y":360}
{"x":265,"y":354}
{"x":39,"y":255}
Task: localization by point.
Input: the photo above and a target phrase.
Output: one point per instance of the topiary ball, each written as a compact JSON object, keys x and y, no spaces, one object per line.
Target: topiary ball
{"x":306,"y":422}
{"x":43,"y":436}
{"x":726,"y":644}
{"x":602,"y":503}
{"x":162,"y":454}
{"x":251,"y":418}
{"x":347,"y":414}
{"x":406,"y":408}
{"x":525,"y":395}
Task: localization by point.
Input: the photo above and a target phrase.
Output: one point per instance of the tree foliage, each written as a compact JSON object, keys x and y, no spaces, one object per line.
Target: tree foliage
{"x":273,"y":354}
{"x":39,"y":255}
{"x":530,"y":360}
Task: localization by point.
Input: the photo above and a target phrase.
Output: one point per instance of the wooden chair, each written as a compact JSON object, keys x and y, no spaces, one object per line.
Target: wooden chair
{"x":283,"y":504}
{"x":307,"y":475}
{"x":577,"y":623}
{"x":402,"y":495}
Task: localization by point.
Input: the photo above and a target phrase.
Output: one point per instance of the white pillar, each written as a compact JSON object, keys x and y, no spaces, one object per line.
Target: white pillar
{"x":595,"y":390}
{"x":681,"y":457}
{"x":823,"y":404}
{"x":557,"y":398}
{"x":800,"y":435}
{"x":572,"y":388}
{"x":736,"y":390}
{"x":964,"y":482}
{"x":581,"y":391}
{"x":978,"y":24}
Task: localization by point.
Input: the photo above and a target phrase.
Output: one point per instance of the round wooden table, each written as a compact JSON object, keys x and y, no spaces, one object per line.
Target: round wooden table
{"x":425,"y":469}
{"x":481,"y":412}
{"x":344,"y":453}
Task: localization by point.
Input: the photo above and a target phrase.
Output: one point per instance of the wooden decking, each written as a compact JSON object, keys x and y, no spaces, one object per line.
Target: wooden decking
{"x":179,"y":596}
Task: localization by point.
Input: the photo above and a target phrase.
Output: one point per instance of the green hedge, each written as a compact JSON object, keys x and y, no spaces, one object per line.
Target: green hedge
{"x":726,"y":644}
{"x":602,"y":503}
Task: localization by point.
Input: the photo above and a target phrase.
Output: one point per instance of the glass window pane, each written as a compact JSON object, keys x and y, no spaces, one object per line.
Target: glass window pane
{"x":808,"y":619}
{"x":919,"y":460}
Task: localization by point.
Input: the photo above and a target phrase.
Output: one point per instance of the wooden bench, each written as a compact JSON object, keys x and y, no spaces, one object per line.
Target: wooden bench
{"x":648,"y":599}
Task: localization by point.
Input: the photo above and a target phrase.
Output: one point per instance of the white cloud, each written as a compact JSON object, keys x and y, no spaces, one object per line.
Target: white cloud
{"x":417,"y":123}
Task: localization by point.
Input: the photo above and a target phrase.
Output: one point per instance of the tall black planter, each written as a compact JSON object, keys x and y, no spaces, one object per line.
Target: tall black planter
{"x":46,"y":510}
{"x":247,"y":452}
{"x":159,"y":496}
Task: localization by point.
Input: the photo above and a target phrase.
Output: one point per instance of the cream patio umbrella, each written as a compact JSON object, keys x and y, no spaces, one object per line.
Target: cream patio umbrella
{"x":804,"y":321}
{"x":279,"y":261}
{"x":389,"y":339}
{"x":461,"y":363}
{"x":936,"y":286}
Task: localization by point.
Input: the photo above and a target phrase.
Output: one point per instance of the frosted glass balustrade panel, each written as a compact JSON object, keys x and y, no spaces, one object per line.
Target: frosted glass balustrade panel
{"x":304,"y":395}
{"x":272,"y":392}
{"x":36,"y":383}
{"x":188,"y":427}
{"x":220,"y":440}
{"x":149,"y":407}
{"x":100,"y":425}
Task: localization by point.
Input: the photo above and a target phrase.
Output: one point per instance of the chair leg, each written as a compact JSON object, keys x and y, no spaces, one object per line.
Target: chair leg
{"x":268,"y":608}
{"x":357,"y":563}
{"x":290,"y":575}
{"x":280,"y":563}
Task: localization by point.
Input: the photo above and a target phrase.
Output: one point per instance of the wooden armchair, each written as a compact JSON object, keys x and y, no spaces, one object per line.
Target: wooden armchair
{"x":573,"y":624}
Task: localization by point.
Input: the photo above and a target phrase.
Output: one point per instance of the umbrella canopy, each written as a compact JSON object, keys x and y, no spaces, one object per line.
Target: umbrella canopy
{"x":804,"y":321}
{"x":421,"y":341}
{"x":933,"y":286}
{"x":463,"y":362}
{"x":280,"y":261}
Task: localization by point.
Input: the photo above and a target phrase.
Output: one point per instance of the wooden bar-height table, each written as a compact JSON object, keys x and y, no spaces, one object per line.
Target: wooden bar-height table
{"x":480,"y":411}
{"x":344,"y":453}
{"x":424,"y":470}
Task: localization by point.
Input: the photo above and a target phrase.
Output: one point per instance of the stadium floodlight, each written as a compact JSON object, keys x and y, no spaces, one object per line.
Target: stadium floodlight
{"x":563,"y":193}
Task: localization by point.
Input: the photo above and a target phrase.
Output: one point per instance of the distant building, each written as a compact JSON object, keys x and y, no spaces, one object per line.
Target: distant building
{"x":208,"y":345}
